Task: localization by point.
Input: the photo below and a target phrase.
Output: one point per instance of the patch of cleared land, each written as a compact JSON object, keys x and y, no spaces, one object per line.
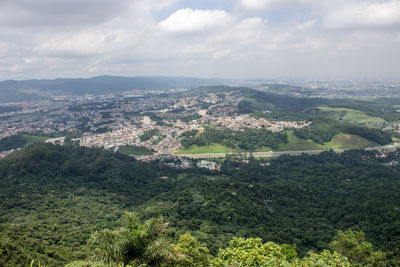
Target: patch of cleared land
{"x":395,"y":139}
{"x":354,"y":116}
{"x":295,"y":143}
{"x":214,"y":148}
{"x":348,"y":141}
{"x":33,"y":139}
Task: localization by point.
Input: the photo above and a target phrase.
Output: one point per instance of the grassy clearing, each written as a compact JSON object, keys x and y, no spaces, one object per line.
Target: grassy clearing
{"x":251,"y":99}
{"x":134,"y":150}
{"x":295,"y":143}
{"x":33,"y":139}
{"x":214,"y":148}
{"x":348,"y":141}
{"x":354,"y":116}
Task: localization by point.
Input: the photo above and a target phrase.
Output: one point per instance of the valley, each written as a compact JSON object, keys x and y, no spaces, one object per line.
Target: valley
{"x":217,"y":162}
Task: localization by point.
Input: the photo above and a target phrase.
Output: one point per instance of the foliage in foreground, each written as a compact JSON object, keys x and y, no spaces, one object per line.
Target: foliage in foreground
{"x":348,"y":248}
{"x":190,"y":252}
{"x":135,"y":243}
{"x":359,"y":252}
{"x":142,"y":244}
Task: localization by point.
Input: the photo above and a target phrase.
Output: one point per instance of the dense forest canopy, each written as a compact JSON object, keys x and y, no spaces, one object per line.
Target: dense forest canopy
{"x":54,"y":197}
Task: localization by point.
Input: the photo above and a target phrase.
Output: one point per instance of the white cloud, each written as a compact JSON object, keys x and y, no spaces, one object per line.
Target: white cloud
{"x":47,"y":13}
{"x":289,"y":4}
{"x":189,"y":20}
{"x":95,"y":37}
{"x":3,"y":49}
{"x":221,"y":53}
{"x":30,"y":60}
{"x":306,"y":25}
{"x":255,"y":4}
{"x":363,"y":15}
{"x":198,"y":48}
{"x":77,"y":44}
{"x":307,"y":46}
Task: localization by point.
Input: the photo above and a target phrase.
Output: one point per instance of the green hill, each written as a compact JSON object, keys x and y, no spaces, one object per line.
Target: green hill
{"x":20,"y":140}
{"x":348,"y":141}
{"x":371,"y":112}
{"x":354,"y":116}
{"x":53,"y":197}
{"x":14,"y":90}
{"x":295,"y":143}
{"x":322,"y":133}
{"x":134,"y":150}
{"x":323,"y":130}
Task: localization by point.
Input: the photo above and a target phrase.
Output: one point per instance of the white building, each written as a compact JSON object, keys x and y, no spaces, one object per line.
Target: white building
{"x":146,"y":120}
{"x":203,"y":112}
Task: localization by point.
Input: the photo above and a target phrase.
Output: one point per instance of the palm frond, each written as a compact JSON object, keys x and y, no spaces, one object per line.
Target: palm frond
{"x":159,"y":251}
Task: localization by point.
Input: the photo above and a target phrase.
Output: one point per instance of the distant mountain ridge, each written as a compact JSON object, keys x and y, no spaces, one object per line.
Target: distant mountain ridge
{"x":12,"y":89}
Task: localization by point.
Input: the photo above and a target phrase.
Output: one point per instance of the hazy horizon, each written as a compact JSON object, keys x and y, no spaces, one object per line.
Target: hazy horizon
{"x":238,"y":39}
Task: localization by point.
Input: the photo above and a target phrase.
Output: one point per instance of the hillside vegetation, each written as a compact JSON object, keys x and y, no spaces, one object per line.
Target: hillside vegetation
{"x":323,"y":130}
{"x":53,"y":198}
{"x":19,"y":141}
{"x":321,"y":134}
{"x":354,"y":116}
{"x":372,"y":112}
{"x":14,"y":90}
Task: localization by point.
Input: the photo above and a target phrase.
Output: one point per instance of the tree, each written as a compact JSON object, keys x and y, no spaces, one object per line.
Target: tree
{"x":252,"y":252}
{"x":190,"y":252}
{"x":353,"y":246}
{"x":325,"y":258}
{"x":135,"y":243}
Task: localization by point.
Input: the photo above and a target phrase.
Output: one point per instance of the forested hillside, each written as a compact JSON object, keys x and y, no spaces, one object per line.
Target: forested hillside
{"x":53,"y":198}
{"x":12,"y":90}
{"x":275,"y":105}
{"x":323,"y":130}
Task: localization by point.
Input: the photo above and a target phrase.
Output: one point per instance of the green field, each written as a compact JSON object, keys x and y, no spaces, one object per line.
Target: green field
{"x":295,"y":143}
{"x":395,"y":139}
{"x":134,"y":150}
{"x":33,"y":139}
{"x":214,"y":148}
{"x":354,"y":116}
{"x":348,"y":141}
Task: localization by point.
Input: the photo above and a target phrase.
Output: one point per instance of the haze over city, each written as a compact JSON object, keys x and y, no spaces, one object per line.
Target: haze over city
{"x":242,"y":39}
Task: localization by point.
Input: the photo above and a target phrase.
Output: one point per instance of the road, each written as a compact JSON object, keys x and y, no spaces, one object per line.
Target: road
{"x":279,"y":153}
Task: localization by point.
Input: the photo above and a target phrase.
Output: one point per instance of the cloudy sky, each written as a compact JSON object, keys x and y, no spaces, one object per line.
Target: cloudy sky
{"x":321,"y":39}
